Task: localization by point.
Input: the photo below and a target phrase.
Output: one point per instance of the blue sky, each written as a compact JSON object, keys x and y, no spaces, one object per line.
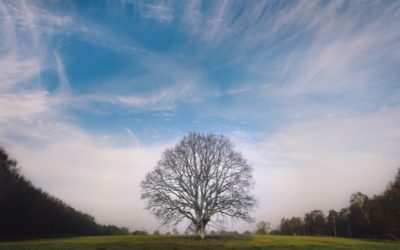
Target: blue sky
{"x":92,"y":92}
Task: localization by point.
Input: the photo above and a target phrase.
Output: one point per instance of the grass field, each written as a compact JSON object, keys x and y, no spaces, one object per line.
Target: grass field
{"x":181,"y":242}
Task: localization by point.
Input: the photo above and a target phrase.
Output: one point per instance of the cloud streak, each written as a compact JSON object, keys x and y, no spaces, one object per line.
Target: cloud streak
{"x":157,"y":11}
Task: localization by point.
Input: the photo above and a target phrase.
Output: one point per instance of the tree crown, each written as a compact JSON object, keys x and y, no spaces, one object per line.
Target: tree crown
{"x":201,"y":179}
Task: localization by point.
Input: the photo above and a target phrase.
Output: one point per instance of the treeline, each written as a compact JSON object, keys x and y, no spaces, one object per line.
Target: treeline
{"x":365,"y":217}
{"x":28,"y":212}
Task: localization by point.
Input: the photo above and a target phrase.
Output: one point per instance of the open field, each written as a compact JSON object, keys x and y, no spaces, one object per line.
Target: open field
{"x":181,"y":242}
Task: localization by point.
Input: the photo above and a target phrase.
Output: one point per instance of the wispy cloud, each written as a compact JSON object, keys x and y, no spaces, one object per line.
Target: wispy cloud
{"x":63,"y":80}
{"x":36,"y":131}
{"x":165,"y":98}
{"x":14,"y":70}
{"x":23,"y":98}
{"x":21,"y":61}
{"x":160,"y":11}
{"x":342,"y":59}
{"x":320,"y":47}
{"x":23,"y":106}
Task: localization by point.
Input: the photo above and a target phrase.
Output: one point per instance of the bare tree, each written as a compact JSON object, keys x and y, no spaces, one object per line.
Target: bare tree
{"x":201,"y":179}
{"x":263,"y":227}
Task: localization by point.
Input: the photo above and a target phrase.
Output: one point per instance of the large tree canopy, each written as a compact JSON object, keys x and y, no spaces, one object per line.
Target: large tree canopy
{"x":201,"y":179}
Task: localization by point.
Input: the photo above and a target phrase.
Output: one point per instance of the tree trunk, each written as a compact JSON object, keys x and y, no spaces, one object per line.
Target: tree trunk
{"x":334,"y":223}
{"x":200,"y":231}
{"x":349,"y":229}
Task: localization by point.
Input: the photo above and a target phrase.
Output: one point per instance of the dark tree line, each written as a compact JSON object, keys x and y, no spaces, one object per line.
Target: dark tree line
{"x":365,"y":217}
{"x":28,"y":212}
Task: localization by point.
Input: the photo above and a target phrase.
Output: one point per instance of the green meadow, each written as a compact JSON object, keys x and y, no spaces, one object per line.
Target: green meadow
{"x":188,"y":242}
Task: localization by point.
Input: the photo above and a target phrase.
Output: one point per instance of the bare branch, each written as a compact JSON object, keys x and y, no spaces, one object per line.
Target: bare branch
{"x":200,"y":179}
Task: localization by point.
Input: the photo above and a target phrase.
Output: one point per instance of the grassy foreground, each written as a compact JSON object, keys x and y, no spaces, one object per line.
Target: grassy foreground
{"x":181,"y":242}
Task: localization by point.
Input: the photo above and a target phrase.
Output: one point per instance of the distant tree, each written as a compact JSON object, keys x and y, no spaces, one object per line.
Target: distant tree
{"x":276,"y":231}
{"x":383,"y":212}
{"x":361,"y":215}
{"x":365,"y":217}
{"x":343,"y":224}
{"x":332,"y":222}
{"x":293,"y":226}
{"x":113,"y":230}
{"x":315,"y":222}
{"x":263,"y":227}
{"x":156,"y":232}
{"x":29,"y":212}
{"x":297,"y":226}
{"x":284,"y":227}
{"x":390,"y":209}
{"x":175,"y":231}
{"x":247,"y":232}
{"x":225,"y":232}
{"x":124,"y":230}
{"x":381,"y":217}
{"x":222,"y":232}
{"x":201,"y":179}
{"x":140,"y":232}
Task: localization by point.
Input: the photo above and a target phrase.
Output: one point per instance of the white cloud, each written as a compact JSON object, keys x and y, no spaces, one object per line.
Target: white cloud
{"x":89,"y":172}
{"x":14,"y":70}
{"x":26,"y":31}
{"x":160,"y":11}
{"x":321,"y":49}
{"x":317,"y":163}
{"x":164,"y":98}
{"x":169,"y":81}
{"x":63,"y":80}
{"x":23,"y":106}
